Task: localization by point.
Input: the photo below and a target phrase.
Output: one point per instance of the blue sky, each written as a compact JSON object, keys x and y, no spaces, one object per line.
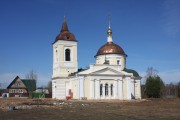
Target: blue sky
{"x":147,"y":30}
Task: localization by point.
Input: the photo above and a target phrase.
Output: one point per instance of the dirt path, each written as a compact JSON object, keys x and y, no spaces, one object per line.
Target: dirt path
{"x":47,"y":109}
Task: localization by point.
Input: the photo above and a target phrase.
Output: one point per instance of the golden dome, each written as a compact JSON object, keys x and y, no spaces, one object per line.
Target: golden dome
{"x":110,"y":48}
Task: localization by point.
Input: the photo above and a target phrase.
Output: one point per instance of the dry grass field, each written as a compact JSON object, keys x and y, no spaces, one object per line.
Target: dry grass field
{"x":48,"y":109}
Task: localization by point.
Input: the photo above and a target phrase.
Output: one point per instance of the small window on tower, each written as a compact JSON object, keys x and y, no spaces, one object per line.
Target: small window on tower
{"x":106,"y":62}
{"x":67,"y":55}
{"x":118,"y":62}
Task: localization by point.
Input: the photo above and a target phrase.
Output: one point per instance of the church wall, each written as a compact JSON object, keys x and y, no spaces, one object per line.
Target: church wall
{"x":125,"y":89}
{"x":87,"y":88}
{"x":113,"y":60}
{"x":120,"y":89}
{"x":74,"y":88}
{"x":60,"y":54}
{"x":138,"y":89}
{"x":75,"y":59}
{"x":62,"y":68}
{"x":58,"y":88}
{"x":123,"y":63}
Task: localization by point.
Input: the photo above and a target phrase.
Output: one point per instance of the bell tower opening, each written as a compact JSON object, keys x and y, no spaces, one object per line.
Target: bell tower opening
{"x":67,"y":55}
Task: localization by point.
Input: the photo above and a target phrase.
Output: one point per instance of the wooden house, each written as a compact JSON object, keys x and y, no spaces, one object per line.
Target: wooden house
{"x":21,"y":87}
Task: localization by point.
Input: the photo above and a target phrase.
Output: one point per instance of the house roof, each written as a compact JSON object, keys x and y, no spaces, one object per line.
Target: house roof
{"x":29,"y":83}
{"x":12,"y":82}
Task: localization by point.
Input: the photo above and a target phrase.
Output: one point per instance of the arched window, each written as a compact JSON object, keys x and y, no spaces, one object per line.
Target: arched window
{"x":101,"y":89}
{"x":106,"y":89}
{"x":67,"y":55}
{"x":111,"y":89}
{"x":118,"y":62}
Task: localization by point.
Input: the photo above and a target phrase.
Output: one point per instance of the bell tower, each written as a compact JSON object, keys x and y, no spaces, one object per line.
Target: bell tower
{"x":64,"y":53}
{"x":64,"y":61}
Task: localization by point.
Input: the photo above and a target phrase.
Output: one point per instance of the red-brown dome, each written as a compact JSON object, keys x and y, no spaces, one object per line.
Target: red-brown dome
{"x":65,"y":34}
{"x":110,"y":48}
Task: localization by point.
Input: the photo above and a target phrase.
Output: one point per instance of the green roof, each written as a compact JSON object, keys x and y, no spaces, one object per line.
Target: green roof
{"x":30,"y":84}
{"x":135,"y":74}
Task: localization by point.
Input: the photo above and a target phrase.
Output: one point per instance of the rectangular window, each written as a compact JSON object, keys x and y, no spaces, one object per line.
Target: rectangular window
{"x":101,"y":87}
{"x":106,"y":89}
{"x":13,"y":91}
{"x":111,"y":89}
{"x":20,"y":91}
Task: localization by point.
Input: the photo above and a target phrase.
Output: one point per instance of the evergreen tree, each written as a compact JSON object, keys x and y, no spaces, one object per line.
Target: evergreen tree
{"x":154,"y":87}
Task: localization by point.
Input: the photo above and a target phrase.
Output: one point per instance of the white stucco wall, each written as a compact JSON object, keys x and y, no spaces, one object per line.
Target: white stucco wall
{"x":58,"y":89}
{"x":62,"y":68}
{"x":112,"y":58}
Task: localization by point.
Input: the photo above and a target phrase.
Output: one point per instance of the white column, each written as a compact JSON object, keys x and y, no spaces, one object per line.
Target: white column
{"x":138,"y":89}
{"x":103,"y":91}
{"x":92,"y":89}
{"x":120,"y":89}
{"x":97,"y":89}
{"x":139,"y":83}
{"x":128,"y":88}
{"x":67,"y":88}
{"x":132,"y":88}
{"x":53,"y":89}
{"x":109,"y":91}
{"x":81,"y":87}
{"x":115,"y":88}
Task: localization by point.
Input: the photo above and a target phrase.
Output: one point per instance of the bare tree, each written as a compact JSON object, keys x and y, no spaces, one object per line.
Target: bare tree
{"x":151,"y":72}
{"x":50,"y":86}
{"x":32,"y":75}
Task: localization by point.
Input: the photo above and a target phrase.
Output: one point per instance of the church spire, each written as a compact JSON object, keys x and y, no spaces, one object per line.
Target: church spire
{"x":109,"y":32}
{"x":64,"y":25}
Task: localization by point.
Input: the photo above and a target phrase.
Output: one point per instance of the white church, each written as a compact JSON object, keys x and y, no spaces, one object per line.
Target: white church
{"x":108,"y":78}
